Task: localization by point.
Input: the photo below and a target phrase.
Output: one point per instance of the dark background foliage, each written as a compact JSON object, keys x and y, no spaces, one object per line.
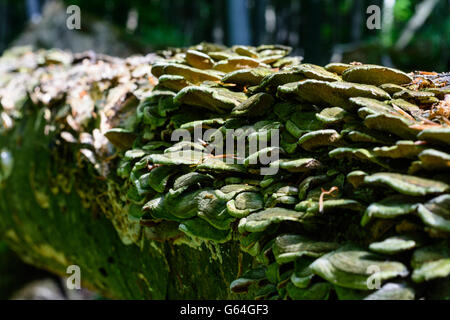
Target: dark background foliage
{"x":321,"y":30}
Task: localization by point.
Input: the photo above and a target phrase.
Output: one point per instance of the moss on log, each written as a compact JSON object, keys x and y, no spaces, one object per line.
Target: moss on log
{"x":55,"y":229}
{"x":354,"y":202}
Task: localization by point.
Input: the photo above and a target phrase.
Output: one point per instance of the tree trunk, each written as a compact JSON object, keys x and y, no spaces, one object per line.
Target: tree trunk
{"x":53,"y":229}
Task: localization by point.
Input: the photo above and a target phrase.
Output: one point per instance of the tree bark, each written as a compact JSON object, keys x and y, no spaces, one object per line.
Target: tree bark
{"x":53,"y":228}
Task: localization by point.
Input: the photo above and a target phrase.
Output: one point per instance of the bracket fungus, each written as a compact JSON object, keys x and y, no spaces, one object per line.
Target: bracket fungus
{"x":362,"y":186}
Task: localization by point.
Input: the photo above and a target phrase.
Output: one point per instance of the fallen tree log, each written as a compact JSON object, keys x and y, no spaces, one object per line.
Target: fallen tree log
{"x":51,"y":217}
{"x":349,"y":197}
{"x":53,"y":231}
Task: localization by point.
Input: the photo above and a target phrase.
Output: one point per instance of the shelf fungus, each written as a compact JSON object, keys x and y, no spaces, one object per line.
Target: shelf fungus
{"x":331,"y":182}
{"x":351,"y":267}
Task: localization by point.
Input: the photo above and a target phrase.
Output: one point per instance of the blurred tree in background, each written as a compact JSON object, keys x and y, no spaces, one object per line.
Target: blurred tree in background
{"x":321,"y":30}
